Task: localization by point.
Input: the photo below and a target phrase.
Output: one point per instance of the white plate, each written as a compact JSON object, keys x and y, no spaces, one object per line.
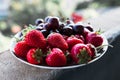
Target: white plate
{"x":13,"y":42}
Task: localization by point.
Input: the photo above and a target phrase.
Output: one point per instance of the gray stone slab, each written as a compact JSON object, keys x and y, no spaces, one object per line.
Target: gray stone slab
{"x":12,"y":69}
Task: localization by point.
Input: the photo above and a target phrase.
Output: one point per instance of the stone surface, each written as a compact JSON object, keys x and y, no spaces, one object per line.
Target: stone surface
{"x":12,"y":69}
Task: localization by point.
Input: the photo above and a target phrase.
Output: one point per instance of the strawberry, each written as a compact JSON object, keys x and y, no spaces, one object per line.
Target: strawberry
{"x":94,"y":38}
{"x":56,"y":40}
{"x":21,"y":49}
{"x":56,"y":58}
{"x":34,"y":56}
{"x":72,"y":41}
{"x":36,"y":39}
{"x":81,"y":53}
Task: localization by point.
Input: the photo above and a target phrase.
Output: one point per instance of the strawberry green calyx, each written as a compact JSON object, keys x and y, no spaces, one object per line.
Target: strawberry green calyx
{"x":24,"y":32}
{"x":38,"y":55}
{"x":48,"y":51}
{"x":83,"y":56}
{"x":99,"y":32}
{"x":34,"y":56}
{"x":28,"y":29}
{"x":18,"y":39}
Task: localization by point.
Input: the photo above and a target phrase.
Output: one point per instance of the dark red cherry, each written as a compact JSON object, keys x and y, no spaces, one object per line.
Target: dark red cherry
{"x":67,"y":31}
{"x":41,"y":25}
{"x":78,"y":29}
{"x":38,"y":21}
{"x":47,"y":26}
{"x":89,"y":27}
{"x":45,"y":32}
{"x":39,"y":28}
{"x":47,"y":18}
{"x":53,"y":22}
{"x":60,"y":28}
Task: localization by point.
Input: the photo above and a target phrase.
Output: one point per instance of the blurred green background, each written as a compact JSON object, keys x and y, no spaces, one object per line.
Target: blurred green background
{"x":15,"y":14}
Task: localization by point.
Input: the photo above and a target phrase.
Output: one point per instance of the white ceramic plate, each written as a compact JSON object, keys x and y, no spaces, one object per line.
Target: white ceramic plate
{"x":13,"y":42}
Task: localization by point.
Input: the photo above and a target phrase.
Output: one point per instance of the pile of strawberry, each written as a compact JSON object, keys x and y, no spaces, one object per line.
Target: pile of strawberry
{"x":52,"y":42}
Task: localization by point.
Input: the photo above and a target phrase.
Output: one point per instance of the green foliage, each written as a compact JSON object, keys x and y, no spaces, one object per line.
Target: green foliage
{"x":97,"y":4}
{"x":25,"y":13}
{"x":3,"y":25}
{"x":108,"y":2}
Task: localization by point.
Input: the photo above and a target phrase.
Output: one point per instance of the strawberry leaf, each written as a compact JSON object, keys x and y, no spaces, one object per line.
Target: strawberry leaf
{"x":18,"y":39}
{"x":28,"y":29}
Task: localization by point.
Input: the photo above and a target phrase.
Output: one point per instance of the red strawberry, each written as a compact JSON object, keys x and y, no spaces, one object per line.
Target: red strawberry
{"x":21,"y":49}
{"x":56,"y":40}
{"x":72,"y":41}
{"x":81,"y":53}
{"x":56,"y":58}
{"x":36,"y":39}
{"x":34,"y":56}
{"x":94,"y":39}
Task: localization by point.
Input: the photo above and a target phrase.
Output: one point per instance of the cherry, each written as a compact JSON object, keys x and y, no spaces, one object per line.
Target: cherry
{"x":47,"y":18}
{"x":38,"y":21}
{"x":53,"y":22}
{"x":71,"y":25}
{"x":41,"y":25}
{"x":85,"y":32}
{"x":45,"y":32}
{"x":67,"y":31}
{"x":47,"y":26}
{"x":61,"y":26}
{"x":55,"y":30}
{"x":78,"y":28}
{"x":89,"y":27}
{"x":39,"y":28}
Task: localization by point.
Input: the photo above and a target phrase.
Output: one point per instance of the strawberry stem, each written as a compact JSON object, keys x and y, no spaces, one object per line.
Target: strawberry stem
{"x":99,"y":31}
{"x":38,"y":54}
{"x":103,"y":46}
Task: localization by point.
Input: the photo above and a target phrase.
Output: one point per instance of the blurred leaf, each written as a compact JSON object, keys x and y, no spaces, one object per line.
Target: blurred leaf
{"x":56,"y":1}
{"x":3,"y":25}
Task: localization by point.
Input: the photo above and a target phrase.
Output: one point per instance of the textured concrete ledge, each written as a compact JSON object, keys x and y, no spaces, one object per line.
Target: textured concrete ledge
{"x":12,"y":69}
